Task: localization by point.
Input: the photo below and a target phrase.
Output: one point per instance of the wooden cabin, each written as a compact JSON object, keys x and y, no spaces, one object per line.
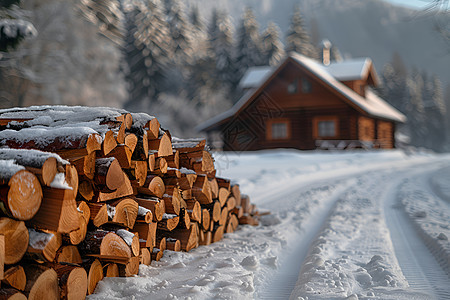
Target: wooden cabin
{"x":306,"y":105}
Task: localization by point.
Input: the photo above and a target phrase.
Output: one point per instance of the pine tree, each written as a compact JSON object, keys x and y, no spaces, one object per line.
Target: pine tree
{"x":435,"y":111}
{"x":180,"y":31}
{"x":272,"y":46}
{"x":221,"y":42}
{"x":249,"y":50}
{"x":297,"y":38}
{"x":146,"y":53}
{"x":415,"y":110}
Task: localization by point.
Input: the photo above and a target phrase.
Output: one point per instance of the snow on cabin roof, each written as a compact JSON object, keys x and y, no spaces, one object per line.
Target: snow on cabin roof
{"x":254,"y":76}
{"x":349,"y":69}
{"x":372,"y":104}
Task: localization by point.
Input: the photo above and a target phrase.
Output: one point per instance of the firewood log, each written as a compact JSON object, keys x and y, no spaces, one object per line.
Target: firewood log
{"x":194,"y":210}
{"x":44,"y":165}
{"x":157,"y":254}
{"x":238,"y":211}
{"x":249,"y":220}
{"x":131,"y":268}
{"x":138,"y":171}
{"x":77,"y":236}
{"x":123,"y":155}
{"x":58,"y":211}
{"x":161,"y":242}
{"x":95,"y":274}
{"x":232,"y":224}
{"x":112,"y":270}
{"x":71,"y":178}
{"x":20,"y":191}
{"x":205,"y":239}
{"x":223,"y":216}
{"x":188,"y":145}
{"x":15,"y":277}
{"x":231,"y":203}
{"x":153,"y":129}
{"x":173,"y":244}
{"x":160,"y":166}
{"x":214,"y":188}
{"x":152,"y":154}
{"x":11,"y":294}
{"x":68,"y":254}
{"x":126,"y":211}
{"x":214,"y":210}
{"x":206,"y":219}
{"x":157,"y":206}
{"x":141,"y":150}
{"x":86,"y":190}
{"x":145,"y":257}
{"x":85,"y":165}
{"x":162,"y":144}
{"x":42,"y":282}
{"x":2,"y":256}
{"x":105,"y":243}
{"x":245,"y":203}
{"x":124,"y":190}
{"x":43,"y":246}
{"x":223,"y":196}
{"x":172,"y":203}
{"x":217,"y":233}
{"x":236,"y":193}
{"x":108,"y":173}
{"x":93,"y":143}
{"x":16,"y":239}
{"x":147,"y":234}
{"x":224,"y":183}
{"x":168,"y":222}
{"x":131,"y":141}
{"x":72,"y":280}
{"x":109,"y":142}
{"x":153,"y":186}
{"x":173,"y":160}
{"x":185,"y":220}
{"x":202,"y":190}
{"x":144,"y":215}
{"x":204,"y":165}
{"x":187,"y":237}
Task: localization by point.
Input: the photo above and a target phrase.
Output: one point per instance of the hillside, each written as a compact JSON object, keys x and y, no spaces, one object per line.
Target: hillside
{"x":358,"y":28}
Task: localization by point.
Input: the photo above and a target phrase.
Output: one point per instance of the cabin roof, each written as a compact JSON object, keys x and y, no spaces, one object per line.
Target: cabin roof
{"x":371,"y":104}
{"x":254,"y":76}
{"x":353,"y":69}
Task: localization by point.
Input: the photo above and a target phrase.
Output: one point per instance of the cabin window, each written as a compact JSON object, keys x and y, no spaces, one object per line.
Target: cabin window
{"x":278,"y":129}
{"x":306,"y":86}
{"x":325,"y":127}
{"x":293,"y":87}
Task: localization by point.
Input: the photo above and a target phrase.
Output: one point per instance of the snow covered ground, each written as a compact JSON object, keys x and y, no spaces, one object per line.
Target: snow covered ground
{"x":347,"y":225}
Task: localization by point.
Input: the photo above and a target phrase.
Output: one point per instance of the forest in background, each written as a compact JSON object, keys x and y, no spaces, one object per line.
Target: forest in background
{"x":167,"y":60}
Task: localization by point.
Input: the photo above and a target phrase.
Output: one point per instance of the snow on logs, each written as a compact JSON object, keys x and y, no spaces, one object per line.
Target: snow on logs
{"x":87,"y":193}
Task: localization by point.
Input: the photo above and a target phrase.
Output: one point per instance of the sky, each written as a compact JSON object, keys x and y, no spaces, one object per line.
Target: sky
{"x":410,"y":3}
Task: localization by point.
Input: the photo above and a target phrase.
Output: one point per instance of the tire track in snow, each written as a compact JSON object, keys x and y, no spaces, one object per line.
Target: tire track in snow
{"x":281,"y":286}
{"x":418,"y":265}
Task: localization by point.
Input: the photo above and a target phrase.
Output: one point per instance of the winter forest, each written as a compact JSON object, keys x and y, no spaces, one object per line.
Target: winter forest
{"x":167,"y":59}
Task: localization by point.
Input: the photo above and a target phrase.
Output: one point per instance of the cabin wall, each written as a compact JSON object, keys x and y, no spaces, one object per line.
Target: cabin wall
{"x":386,"y":131}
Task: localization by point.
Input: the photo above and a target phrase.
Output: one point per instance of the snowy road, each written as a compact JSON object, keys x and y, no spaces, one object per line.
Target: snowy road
{"x":343,"y":225}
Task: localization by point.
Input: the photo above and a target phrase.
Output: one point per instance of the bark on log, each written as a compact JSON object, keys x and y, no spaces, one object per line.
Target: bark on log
{"x":105,"y":243}
{"x":85,"y":165}
{"x":173,"y":244}
{"x":16,"y":239}
{"x":169,"y":222}
{"x":187,"y":237}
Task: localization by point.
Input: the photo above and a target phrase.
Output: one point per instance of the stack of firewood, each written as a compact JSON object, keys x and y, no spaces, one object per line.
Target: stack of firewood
{"x":93,"y":192}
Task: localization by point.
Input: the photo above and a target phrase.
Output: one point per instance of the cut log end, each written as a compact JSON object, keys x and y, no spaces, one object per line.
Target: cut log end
{"x":94,"y":276}
{"x":16,"y":239}
{"x":24,"y":196}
